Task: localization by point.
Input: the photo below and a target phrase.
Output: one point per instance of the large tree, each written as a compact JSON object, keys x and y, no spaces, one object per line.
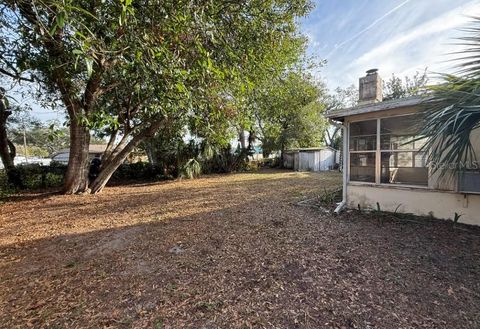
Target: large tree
{"x":289,"y":113}
{"x":7,"y":148}
{"x":132,"y":67}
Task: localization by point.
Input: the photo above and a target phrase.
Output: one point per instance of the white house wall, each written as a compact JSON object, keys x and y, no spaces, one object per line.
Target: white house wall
{"x":439,"y":200}
{"x":439,"y":204}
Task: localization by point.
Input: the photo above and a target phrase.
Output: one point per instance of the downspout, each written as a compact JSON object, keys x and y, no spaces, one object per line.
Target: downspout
{"x":341,"y":205}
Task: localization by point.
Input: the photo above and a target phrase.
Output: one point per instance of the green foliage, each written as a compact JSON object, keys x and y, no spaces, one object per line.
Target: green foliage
{"x":290,"y":113}
{"x":454,"y":110}
{"x":396,"y":88}
{"x":191,"y":169}
{"x":139,"y":171}
{"x":329,"y":197}
{"x":5,"y":188}
{"x":43,"y":139}
{"x":456,"y":218}
{"x":34,"y":176}
{"x":342,"y":98}
{"x":133,"y":67}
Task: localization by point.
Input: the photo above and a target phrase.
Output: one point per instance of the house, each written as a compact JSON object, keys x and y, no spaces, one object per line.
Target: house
{"x":22,"y":160}
{"x":385,"y":168}
{"x":310,"y":159}
{"x":94,"y":150}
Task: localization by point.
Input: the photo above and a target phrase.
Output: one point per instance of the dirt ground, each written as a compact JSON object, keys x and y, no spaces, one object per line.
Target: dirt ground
{"x":230,"y":251}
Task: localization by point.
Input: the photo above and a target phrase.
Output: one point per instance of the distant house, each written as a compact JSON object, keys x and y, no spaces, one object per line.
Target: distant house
{"x":310,"y":159}
{"x":382,"y":167}
{"x":22,"y":160}
{"x":94,"y":150}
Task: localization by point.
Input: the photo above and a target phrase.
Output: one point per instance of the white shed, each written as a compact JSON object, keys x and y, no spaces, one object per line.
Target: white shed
{"x":310,"y":159}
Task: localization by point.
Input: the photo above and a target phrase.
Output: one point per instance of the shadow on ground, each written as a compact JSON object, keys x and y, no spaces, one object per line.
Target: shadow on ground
{"x":230,"y":251}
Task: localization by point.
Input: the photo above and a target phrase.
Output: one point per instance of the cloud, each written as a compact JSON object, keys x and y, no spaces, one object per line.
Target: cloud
{"x":448,"y":21}
{"x":375,"y":22}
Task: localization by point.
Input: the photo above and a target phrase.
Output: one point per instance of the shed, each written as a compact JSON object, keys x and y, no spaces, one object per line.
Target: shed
{"x":310,"y":159}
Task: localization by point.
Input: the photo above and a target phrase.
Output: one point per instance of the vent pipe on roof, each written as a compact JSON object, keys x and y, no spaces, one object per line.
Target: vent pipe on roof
{"x":370,"y":88}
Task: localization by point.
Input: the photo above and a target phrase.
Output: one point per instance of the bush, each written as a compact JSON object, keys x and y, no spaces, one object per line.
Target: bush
{"x":31,"y":177}
{"x":191,"y":169}
{"x":35,"y":176}
{"x":139,"y":171}
{"x":5,"y":188}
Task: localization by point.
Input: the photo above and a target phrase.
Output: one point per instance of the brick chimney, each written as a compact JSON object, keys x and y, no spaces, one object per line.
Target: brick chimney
{"x":370,"y":88}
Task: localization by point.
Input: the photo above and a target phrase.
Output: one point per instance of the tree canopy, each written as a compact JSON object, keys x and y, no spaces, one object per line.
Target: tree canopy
{"x":132,"y":68}
{"x":289,"y":113}
{"x":395,"y":87}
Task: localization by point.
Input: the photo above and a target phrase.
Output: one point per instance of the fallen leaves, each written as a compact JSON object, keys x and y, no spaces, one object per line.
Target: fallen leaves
{"x":230,"y":251}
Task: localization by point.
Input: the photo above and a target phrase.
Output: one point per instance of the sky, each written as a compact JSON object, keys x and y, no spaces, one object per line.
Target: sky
{"x":394,"y":36}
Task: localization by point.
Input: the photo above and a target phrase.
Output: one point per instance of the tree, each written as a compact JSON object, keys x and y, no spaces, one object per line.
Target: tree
{"x":7,"y":148}
{"x":290,"y":113}
{"x":396,"y":88}
{"x":133,"y":68}
{"x":453,"y":110}
{"x":340,"y":99}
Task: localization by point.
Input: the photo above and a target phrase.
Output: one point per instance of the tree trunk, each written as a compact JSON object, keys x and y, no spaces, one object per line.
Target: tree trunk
{"x":118,"y":156}
{"x":150,"y":153}
{"x":76,"y":177}
{"x":241,"y":138}
{"x":282,"y":151}
{"x":109,"y":168}
{"x":5,"y":151}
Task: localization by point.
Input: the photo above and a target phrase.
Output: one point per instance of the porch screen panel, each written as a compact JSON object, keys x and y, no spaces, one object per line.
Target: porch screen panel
{"x":363,"y":144}
{"x":402,"y":162}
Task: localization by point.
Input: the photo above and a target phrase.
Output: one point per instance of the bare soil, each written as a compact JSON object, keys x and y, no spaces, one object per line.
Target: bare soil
{"x":230,"y":251}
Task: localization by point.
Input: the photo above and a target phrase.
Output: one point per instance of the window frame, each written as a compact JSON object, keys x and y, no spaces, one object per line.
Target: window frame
{"x":378,"y":156}
{"x":363,"y":151}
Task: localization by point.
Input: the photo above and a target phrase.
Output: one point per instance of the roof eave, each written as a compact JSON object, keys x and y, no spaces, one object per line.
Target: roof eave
{"x":338,"y":115}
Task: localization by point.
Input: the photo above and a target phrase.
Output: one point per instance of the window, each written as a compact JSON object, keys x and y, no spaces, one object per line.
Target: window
{"x":363,"y":145}
{"x":400,"y":160}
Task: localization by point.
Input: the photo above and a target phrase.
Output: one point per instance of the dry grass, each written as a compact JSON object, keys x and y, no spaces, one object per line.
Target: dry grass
{"x":231,"y":251}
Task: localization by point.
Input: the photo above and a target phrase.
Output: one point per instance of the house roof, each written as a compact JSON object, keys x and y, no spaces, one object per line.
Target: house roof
{"x":93,"y":148}
{"x":339,"y":114}
{"x":310,"y":149}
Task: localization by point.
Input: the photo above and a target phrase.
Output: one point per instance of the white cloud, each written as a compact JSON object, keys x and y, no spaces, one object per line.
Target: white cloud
{"x":448,"y":21}
{"x":375,"y":22}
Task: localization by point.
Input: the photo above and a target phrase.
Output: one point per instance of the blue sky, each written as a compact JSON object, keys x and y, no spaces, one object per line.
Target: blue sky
{"x":395,"y":36}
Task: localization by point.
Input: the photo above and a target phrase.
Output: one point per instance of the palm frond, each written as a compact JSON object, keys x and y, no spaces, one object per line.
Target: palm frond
{"x":453,"y":108}
{"x":191,"y":169}
{"x":453,"y":113}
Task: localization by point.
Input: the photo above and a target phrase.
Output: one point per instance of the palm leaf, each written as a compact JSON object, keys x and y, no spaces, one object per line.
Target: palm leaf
{"x":453,"y":109}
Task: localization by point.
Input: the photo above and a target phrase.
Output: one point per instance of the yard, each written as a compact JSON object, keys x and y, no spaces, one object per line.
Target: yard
{"x":230,"y":251}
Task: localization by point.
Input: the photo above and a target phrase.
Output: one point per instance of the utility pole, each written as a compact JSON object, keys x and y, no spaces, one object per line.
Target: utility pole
{"x":25,"y":141}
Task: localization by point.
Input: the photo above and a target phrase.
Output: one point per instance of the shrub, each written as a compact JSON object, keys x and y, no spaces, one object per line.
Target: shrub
{"x":5,"y":188}
{"x":191,"y":169}
{"x":32,"y":177}
{"x":139,"y":171}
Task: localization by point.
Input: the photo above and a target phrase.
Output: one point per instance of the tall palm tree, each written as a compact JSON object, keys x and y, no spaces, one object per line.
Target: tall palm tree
{"x":454,"y":109}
